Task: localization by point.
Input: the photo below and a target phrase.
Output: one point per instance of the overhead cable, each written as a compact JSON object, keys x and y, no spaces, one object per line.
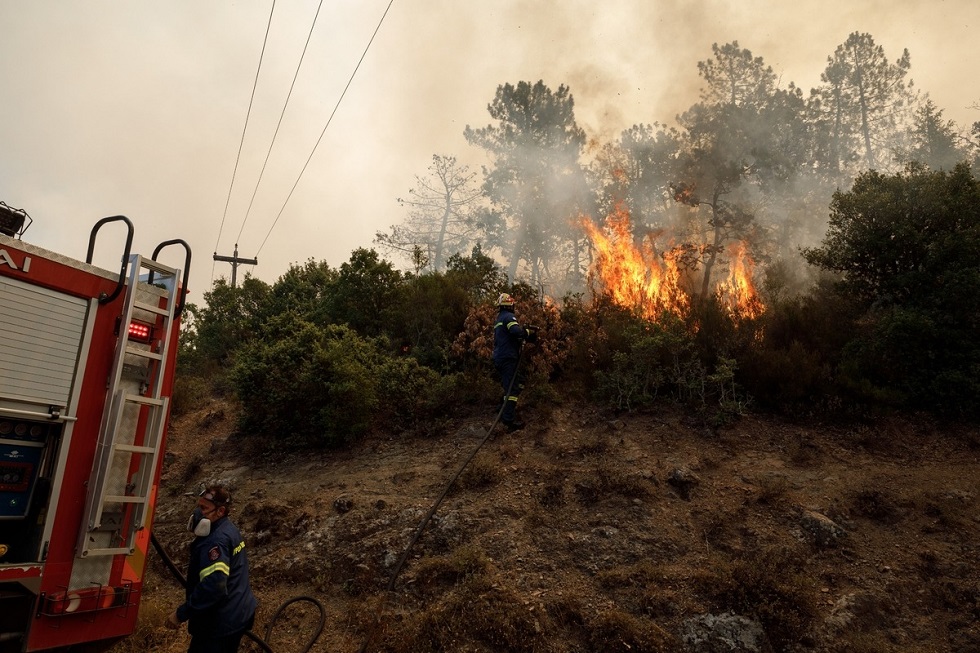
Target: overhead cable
{"x":332,"y":113}
{"x":279,"y":124}
{"x":244,"y":129}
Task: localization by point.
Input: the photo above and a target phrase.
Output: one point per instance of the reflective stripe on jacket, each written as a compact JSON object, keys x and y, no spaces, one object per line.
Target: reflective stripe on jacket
{"x":219,"y":599}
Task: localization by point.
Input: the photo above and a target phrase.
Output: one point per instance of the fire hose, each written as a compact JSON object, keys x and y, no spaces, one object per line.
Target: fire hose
{"x":435,"y":506}
{"x":398,"y":565}
{"x":248,"y":633}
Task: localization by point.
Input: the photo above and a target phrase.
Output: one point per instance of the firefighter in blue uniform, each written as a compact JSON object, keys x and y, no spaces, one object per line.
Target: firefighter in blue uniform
{"x":220,"y":605}
{"x":508,"y":338}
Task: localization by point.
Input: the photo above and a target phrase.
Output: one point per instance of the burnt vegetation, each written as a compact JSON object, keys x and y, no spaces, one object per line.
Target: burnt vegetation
{"x":868,"y":316}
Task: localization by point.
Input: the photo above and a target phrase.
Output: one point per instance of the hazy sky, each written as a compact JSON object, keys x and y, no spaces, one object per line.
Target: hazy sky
{"x":137,"y":107}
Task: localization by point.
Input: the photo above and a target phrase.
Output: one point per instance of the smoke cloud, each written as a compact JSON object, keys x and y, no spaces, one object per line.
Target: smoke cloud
{"x":139,"y":108}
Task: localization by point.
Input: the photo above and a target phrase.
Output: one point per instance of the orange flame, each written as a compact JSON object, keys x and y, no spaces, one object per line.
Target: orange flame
{"x":635,"y":278}
{"x":638,"y":279}
{"x":738,"y":292}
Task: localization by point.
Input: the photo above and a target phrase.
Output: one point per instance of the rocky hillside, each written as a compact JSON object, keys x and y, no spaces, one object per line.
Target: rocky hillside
{"x":586,"y":533}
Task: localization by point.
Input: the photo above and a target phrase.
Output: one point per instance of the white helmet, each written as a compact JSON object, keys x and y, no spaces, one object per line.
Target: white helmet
{"x":505,"y":299}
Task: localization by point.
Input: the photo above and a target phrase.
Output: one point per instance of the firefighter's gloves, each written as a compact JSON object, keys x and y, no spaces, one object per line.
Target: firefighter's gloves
{"x":532,"y":334}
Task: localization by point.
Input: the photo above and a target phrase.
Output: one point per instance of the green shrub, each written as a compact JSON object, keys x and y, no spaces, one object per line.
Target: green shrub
{"x":409,"y":391}
{"x":646,"y":359}
{"x":306,"y":384}
{"x":189,"y":394}
{"x":905,"y":247}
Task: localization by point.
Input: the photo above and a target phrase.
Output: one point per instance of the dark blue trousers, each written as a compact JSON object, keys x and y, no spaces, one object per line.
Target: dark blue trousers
{"x":507,"y":369}
{"x":224,"y":644}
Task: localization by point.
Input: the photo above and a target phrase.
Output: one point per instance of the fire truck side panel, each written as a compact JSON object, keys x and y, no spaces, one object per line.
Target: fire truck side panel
{"x":63,"y":571}
{"x":57,"y":347}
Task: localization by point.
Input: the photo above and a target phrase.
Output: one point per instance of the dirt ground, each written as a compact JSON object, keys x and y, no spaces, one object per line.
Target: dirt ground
{"x":587,"y":532}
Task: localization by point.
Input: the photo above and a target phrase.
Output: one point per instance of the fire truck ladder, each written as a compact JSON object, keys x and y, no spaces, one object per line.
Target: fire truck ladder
{"x":133,"y":423}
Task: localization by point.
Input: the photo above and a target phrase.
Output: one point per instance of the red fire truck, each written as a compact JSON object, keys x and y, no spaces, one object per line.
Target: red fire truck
{"x":86,"y":370}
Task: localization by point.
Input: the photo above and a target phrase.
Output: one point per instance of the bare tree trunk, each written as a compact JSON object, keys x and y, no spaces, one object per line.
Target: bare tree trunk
{"x":709,"y":262}
{"x":865,"y":123}
{"x":440,"y":241}
{"x":838,"y":128}
{"x":515,"y":255}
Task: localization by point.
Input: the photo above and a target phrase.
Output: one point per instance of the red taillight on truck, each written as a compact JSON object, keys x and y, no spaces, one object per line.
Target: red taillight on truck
{"x":140,"y":331}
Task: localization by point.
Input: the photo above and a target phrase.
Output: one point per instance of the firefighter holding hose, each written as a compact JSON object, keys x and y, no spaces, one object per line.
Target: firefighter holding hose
{"x":508,"y":339}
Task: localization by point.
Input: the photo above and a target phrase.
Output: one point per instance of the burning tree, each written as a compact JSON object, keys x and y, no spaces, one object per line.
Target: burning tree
{"x":737,"y":293}
{"x":652,"y":283}
{"x":634,"y":171}
{"x":640,"y":279}
{"x":737,"y":155}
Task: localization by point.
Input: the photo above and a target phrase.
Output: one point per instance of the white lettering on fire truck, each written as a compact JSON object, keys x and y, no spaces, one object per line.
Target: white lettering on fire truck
{"x":6,"y":259}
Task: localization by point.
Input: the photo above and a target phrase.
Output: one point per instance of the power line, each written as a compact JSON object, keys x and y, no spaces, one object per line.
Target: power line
{"x":279,"y":124}
{"x":244,"y":129}
{"x":332,"y":113}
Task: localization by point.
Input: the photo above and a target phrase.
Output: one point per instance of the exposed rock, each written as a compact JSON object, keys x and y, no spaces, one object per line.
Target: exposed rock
{"x":343,"y":504}
{"x":683,"y":481}
{"x":725,"y":633}
{"x":820,"y":530}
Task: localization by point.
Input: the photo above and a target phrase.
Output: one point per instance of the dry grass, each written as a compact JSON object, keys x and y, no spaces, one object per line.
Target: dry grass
{"x":769,"y":586}
{"x":560,"y":539}
{"x":478,"y":611}
{"x":615,"y":631}
{"x":482,"y":472}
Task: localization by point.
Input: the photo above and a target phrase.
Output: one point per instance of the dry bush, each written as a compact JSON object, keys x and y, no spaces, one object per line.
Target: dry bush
{"x":949,"y":514}
{"x":644,"y":589}
{"x":641,"y":574}
{"x":803,"y":451}
{"x":567,"y":614}
{"x":772,"y":489}
{"x":656,"y":601}
{"x":719,"y":531}
{"x":612,"y":630}
{"x":150,"y":633}
{"x":955,"y":596}
{"x":479,"y":614}
{"x":863,"y":643}
{"x":189,"y":393}
{"x":276,"y":517}
{"x":587,"y":491}
{"x":609,"y":480}
{"x":210,"y":419}
{"x":193,"y":468}
{"x":770,"y":586}
{"x":615,"y":479}
{"x":596,"y":446}
{"x":482,"y":472}
{"x":877,"y":505}
{"x":461,"y":563}
{"x":552,"y":494}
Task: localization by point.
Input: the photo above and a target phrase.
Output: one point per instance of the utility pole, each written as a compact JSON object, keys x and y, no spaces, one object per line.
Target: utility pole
{"x":235,"y":262}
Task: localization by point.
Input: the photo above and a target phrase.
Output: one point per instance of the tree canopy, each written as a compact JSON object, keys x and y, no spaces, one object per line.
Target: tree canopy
{"x":536,"y":178}
{"x":907,"y":246}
